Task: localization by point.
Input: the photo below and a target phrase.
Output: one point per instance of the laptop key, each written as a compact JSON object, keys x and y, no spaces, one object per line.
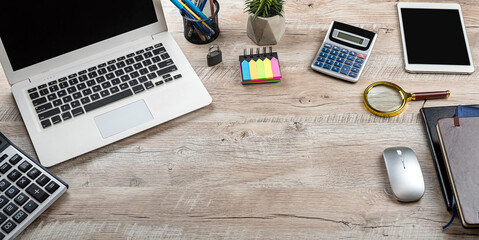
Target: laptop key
{"x":77,"y":95}
{"x":108,"y":100}
{"x":148,"y":85}
{"x":129,"y":61}
{"x":96,"y":88}
{"x":83,"y":78}
{"x":159,"y":83}
{"x":114,"y":90}
{"x":32,"y":90}
{"x":177,"y":76}
{"x":75,"y":104}
{"x":71,"y":90}
{"x":137,"y":66}
{"x":34,"y":95}
{"x":42,"y":86}
{"x":166,"y":70}
{"x":54,"y":88}
{"x":106,"y":85}
{"x":66,"y":116}
{"x":65,"y":107}
{"x":105,"y":93}
{"x":62,"y":93}
{"x":94,"y":97}
{"x":165,"y":56}
{"x":90,"y":83}
{"x":77,"y":111}
{"x":39,"y":101}
{"x":156,"y":59}
{"x":153,"y":68}
{"x":52,"y":97}
{"x":116,"y":81}
{"x":81,"y":86}
{"x":86,"y":92}
{"x":111,"y":68}
{"x":144,"y":71}
{"x":121,"y":58}
{"x":124,"y":86}
{"x":134,"y":74}
{"x":138,"y":89}
{"x":133,"y":83}
{"x":85,"y":100}
{"x":120,"y":64}
{"x":63,"y":85}
{"x":100,"y":79}
{"x":43,"y":107}
{"x":46,"y":123}
{"x":67,"y":99}
{"x":91,"y":69}
{"x":119,"y":73}
{"x":44,"y":92}
{"x":57,"y":102}
{"x":56,"y":119}
{"x":142,"y":79}
{"x":110,"y":76}
{"x":101,"y":71}
{"x":130,"y":55}
{"x":73,"y":81}
{"x":49,"y":113}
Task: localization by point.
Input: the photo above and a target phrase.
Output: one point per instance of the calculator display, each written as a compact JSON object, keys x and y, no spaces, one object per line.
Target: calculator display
{"x":350,"y":38}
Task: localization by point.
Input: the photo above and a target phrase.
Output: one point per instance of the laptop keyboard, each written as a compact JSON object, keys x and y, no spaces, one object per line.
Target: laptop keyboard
{"x":79,"y":93}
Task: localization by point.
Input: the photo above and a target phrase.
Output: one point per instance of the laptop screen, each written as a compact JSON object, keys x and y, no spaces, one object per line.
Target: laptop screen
{"x":35,"y":31}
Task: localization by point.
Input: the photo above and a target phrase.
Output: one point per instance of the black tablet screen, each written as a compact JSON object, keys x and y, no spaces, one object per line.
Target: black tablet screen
{"x":434,"y":36}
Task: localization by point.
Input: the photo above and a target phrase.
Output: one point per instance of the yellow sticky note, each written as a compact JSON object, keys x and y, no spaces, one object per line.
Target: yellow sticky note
{"x":252,"y":70}
{"x":268,"y":71}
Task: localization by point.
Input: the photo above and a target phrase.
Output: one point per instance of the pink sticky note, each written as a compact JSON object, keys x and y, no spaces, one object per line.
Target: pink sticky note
{"x":275,"y":68}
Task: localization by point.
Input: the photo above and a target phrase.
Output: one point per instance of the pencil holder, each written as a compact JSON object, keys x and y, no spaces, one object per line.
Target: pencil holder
{"x":205,"y":30}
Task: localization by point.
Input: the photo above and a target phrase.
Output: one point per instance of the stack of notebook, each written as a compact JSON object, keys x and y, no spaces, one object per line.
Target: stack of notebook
{"x":456,"y":133}
{"x":260,"y":68}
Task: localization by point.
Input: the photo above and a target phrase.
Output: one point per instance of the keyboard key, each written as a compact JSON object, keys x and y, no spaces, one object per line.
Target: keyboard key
{"x":147,"y":62}
{"x":95,"y":97}
{"x":73,"y":81}
{"x":133,"y":83}
{"x":32,"y":90}
{"x":92,"y":75}
{"x":129,"y":61}
{"x":43,"y":86}
{"x":344,"y":50}
{"x":149,"y":85}
{"x":332,"y":57}
{"x":140,"y":51}
{"x":357,"y":65}
{"x":352,"y":53}
{"x":168,"y":79}
{"x":34,"y":173}
{"x":159,"y":83}
{"x":10,"y":209}
{"x":351,"y":58}
{"x":338,"y":64}
{"x":323,"y":54}
{"x":14,"y":175}
{"x":128,"y":69}
{"x":106,"y":85}
{"x":134,"y":75}
{"x":165,"y":63}
{"x":77,"y":111}
{"x":65,"y":107}
{"x":56,"y":119}
{"x":34,"y":95}
{"x":49,"y":113}
{"x":166,"y":70}
{"x":15,"y":159}
{"x":91,"y":69}
{"x":109,"y":76}
{"x":143,"y":79}
{"x":46,"y":123}
{"x":158,"y":45}
{"x":124,"y":86}
{"x":345,"y":69}
{"x":67,"y":99}
{"x":327,"y":45}
{"x":114,"y":90}
{"x":165,"y":56}
{"x":9,"y":226}
{"x":96,"y":88}
{"x":108,"y":100}
{"x":319,"y":64}
{"x":85,"y":100}
{"x":4,"y":168}
{"x":57,"y":102}
{"x":90,"y":83}
{"x":81,"y":86}
{"x":177,"y":76}
{"x":31,"y":206}
{"x":348,"y":62}
{"x":119,"y":73}
{"x":143,"y":71}
{"x":105,"y":93}
{"x":39,"y":101}
{"x":321,"y":59}
{"x":43,"y":107}
{"x":19,"y":216}
{"x":3,"y":201}
{"x":159,"y":51}
{"x":63,"y":79}
{"x":334,"y":52}
{"x":23,"y":182}
{"x":359,"y":60}
{"x":66,"y":116}
{"x":152,"y":75}
{"x":139,"y":58}
{"x":63,"y":85}
{"x":76,"y":95}
{"x":331,"y":62}
{"x":4,"y":184}
{"x":156,"y":59}
{"x":111,"y":68}
{"x":101,"y":71}
{"x":3,"y":157}
{"x":24,"y":166}
{"x":100,"y":79}
{"x":83,"y":78}
{"x":52,"y":187}
{"x":336,"y":69}
{"x":336,"y":48}
{"x":326,"y":50}
{"x":341,"y":60}
{"x":87,"y":92}
{"x":116,"y":81}
{"x":21,"y":199}
{"x":12,"y":192}
{"x":37,"y":192}
{"x":72,"y":76}
{"x":343,"y":55}
{"x":137,"y":66}
{"x":138,"y":89}
{"x":62,"y":93}
{"x":54,"y":88}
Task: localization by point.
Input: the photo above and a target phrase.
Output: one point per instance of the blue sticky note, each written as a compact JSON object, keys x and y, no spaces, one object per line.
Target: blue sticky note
{"x":245,"y":71}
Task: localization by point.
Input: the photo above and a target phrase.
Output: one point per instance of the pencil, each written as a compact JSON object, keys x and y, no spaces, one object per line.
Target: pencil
{"x":196,"y":16}
{"x":212,"y":7}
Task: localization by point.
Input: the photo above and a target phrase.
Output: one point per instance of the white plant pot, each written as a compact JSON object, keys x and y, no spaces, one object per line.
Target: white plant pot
{"x":265,"y":31}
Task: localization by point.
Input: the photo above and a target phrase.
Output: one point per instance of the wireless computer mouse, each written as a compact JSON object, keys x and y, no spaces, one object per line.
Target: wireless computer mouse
{"x":404,"y":173}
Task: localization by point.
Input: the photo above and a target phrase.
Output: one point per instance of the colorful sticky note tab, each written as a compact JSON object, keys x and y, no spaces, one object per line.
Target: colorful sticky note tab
{"x":245,"y":75}
{"x":260,"y":68}
{"x":252,"y":70}
{"x":275,"y":67}
{"x":268,"y":71}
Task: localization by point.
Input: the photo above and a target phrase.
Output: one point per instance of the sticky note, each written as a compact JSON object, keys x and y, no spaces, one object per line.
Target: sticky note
{"x":245,"y":71}
{"x":252,"y":70}
{"x":275,"y":67}
{"x":268,"y":71}
{"x":260,"y":68}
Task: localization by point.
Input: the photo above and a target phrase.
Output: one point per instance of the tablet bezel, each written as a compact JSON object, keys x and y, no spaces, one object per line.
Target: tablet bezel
{"x":434,"y":68}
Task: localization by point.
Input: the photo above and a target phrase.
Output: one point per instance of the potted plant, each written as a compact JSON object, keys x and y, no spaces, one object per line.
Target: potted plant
{"x":266,"y":23}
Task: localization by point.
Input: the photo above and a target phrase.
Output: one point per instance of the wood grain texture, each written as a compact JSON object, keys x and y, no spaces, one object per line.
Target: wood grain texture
{"x":298,"y":159}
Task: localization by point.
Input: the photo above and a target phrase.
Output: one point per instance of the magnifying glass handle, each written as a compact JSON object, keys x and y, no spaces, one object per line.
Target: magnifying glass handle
{"x":430,"y":95}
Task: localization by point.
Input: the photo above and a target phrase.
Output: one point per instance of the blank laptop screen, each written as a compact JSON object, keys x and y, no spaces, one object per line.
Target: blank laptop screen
{"x":35,"y":31}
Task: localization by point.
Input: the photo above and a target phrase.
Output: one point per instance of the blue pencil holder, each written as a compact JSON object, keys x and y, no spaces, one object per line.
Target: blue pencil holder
{"x":195,"y":30}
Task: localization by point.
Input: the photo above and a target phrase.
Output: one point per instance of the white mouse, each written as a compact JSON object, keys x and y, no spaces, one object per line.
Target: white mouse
{"x":404,"y":173}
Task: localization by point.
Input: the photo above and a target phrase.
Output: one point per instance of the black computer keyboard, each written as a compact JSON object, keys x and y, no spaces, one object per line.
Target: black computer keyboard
{"x":26,"y":189}
{"x":92,"y":88}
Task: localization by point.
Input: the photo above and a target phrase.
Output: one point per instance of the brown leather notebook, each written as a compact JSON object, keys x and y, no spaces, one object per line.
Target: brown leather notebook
{"x":459,"y":138}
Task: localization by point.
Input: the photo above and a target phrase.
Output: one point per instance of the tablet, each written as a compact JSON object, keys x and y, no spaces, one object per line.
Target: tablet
{"x":434,"y":38}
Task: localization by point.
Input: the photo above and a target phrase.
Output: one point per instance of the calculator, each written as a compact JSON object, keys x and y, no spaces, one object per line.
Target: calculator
{"x":344,"y":52}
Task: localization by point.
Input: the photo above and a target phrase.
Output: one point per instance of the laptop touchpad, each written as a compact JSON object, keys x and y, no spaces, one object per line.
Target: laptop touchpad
{"x":123,"y":118}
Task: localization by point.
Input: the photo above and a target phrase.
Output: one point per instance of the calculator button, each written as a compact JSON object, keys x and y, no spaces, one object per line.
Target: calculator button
{"x":10,"y":209}
{"x":354,"y":75}
{"x":329,"y":62}
{"x":23,"y":182}
{"x":52,"y":187}
{"x":332,"y":57}
{"x":327,"y":45}
{"x":343,"y":55}
{"x":338,"y":64}
{"x":323,"y":54}
{"x":21,"y":199}
{"x":3,"y":157}
{"x":326,"y":50}
{"x":336,"y":69}
{"x":361,"y":56}
{"x":12,"y":192}
{"x":345,"y":69}
{"x":348,"y":62}
{"x":334,"y":52}
{"x":359,"y":60}
{"x":15,"y":159}
{"x":351,"y":58}
{"x":24,"y":166}
{"x":37,"y":193}
{"x":4,"y":184}
{"x":357,"y":65}
{"x":14,"y":175}
{"x":344,"y":50}
{"x":318,"y":64}
{"x":19,"y":216}
{"x":42,"y":180}
{"x":327,"y":66}
{"x":355,"y":70}
{"x":341,"y":60}
{"x":9,"y":226}
{"x":34,"y":173}
{"x":31,"y":206}
{"x":336,"y":48}
{"x":2,"y":218}
{"x":321,"y":59}
{"x":3,"y":201}
{"x":353,"y":53}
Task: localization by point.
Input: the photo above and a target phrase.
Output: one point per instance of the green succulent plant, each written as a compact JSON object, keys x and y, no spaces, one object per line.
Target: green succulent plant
{"x":264,"y":8}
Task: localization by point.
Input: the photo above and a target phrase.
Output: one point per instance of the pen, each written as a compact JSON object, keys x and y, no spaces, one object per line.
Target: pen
{"x":184,"y":11}
{"x":196,"y":16}
{"x":202,"y":5}
{"x":197,"y":11}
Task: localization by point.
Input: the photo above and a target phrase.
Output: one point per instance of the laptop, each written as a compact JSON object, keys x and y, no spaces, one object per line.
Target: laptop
{"x":87,"y":73}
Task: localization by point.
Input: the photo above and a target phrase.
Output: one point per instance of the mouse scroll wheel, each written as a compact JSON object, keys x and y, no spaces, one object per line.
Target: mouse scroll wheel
{"x":399,"y":152}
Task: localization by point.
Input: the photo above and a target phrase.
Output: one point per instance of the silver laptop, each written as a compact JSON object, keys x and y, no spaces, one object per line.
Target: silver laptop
{"x":88,"y":73}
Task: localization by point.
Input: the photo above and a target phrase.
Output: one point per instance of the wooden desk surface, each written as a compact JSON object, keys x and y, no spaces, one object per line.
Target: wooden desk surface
{"x":298,"y":159}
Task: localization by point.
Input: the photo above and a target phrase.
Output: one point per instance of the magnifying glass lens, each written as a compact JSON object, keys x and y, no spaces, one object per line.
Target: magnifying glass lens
{"x":385,"y":98}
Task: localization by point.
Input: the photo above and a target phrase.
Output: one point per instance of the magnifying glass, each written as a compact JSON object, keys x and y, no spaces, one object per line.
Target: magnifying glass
{"x":387,"y":99}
